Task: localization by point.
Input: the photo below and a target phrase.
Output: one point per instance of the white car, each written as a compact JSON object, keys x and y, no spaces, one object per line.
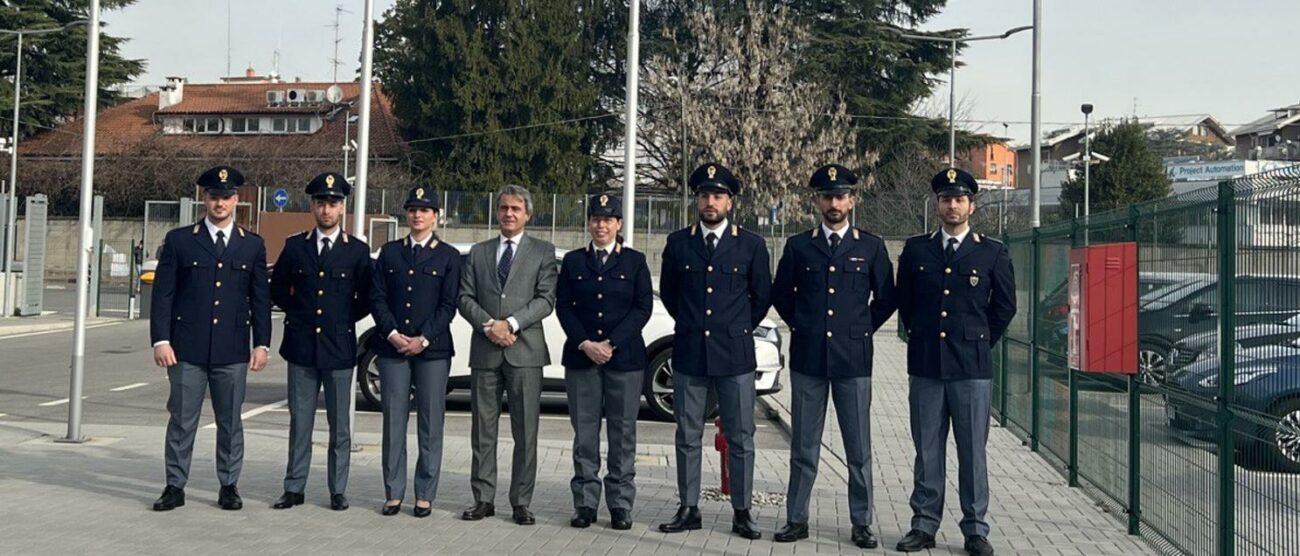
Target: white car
{"x":658,"y":334}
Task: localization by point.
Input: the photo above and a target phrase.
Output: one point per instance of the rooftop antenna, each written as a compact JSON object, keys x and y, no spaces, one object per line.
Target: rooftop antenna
{"x":338,"y":18}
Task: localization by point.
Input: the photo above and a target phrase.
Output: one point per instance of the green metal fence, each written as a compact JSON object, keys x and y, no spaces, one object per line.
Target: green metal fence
{"x":1198,"y":453}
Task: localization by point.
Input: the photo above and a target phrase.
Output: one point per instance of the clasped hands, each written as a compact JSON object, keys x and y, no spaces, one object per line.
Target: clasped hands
{"x":498,"y":331}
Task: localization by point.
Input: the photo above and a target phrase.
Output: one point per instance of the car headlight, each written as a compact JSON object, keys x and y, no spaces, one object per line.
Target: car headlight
{"x":767,"y":334}
{"x":1242,"y":377}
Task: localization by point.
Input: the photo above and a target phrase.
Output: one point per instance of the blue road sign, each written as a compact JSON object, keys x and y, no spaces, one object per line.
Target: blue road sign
{"x":280,"y":198}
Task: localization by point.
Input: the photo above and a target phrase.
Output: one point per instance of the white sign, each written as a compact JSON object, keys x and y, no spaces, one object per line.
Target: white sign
{"x":1206,"y":171}
{"x":118,"y":268}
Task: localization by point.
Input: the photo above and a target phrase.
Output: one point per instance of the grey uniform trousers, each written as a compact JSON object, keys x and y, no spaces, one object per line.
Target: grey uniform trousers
{"x":189,"y":383}
{"x":736,"y":407}
{"x":305,"y":384}
{"x":523,"y":389}
{"x":429,"y":377}
{"x":615,"y":395}
{"x":965,"y":404}
{"x":852,"y":397}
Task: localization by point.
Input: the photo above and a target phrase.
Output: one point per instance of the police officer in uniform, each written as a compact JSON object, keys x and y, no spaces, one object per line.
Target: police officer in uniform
{"x":716,"y":284}
{"x":210,"y":293}
{"x":416,"y":281}
{"x":956,"y":296}
{"x":603,"y":300}
{"x":322,"y":283}
{"x":834,"y":287}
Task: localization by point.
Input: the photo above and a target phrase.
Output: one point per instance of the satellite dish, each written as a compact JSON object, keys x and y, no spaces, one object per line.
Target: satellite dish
{"x":334,"y":94}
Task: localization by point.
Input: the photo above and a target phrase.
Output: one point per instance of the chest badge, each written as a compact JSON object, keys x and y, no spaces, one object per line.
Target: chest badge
{"x":974,"y":281}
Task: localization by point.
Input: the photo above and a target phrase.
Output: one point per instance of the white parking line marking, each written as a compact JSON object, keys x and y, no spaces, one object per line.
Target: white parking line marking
{"x":44,"y":332}
{"x":3,"y":414}
{"x":57,"y":402}
{"x":128,"y":387}
{"x":254,"y":412}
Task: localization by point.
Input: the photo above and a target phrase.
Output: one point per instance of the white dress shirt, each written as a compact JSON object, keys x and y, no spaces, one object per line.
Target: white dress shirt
{"x":609,"y":250}
{"x":829,"y":232}
{"x":960,"y":237}
{"x":320,"y":239}
{"x":501,"y":250}
{"x":718,"y":230}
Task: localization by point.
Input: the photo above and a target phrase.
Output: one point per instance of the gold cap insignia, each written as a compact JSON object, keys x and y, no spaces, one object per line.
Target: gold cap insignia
{"x":712,"y":170}
{"x":952,"y":175}
{"x":329,"y":182}
{"x":419,"y":193}
{"x":223,"y":175}
{"x":604,"y":200}
{"x":832,"y":173}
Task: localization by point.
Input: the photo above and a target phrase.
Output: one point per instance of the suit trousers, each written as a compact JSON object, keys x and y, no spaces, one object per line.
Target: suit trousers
{"x":615,"y":395}
{"x":429,"y":378}
{"x":305,"y":384}
{"x":966,"y":405}
{"x":523,"y":389}
{"x":736,"y":407}
{"x":852,"y":398}
{"x":189,"y":383}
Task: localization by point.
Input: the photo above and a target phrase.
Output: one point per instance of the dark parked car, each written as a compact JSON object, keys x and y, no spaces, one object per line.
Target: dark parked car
{"x":1267,"y":382}
{"x":1186,"y":309}
{"x":1206,"y":344}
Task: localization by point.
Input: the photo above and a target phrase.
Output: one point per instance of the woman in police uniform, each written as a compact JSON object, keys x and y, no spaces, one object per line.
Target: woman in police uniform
{"x":603,"y":299}
{"x":416,"y":281}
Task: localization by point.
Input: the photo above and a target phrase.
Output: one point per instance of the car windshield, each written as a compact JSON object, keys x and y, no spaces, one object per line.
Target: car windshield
{"x":1158,"y":299}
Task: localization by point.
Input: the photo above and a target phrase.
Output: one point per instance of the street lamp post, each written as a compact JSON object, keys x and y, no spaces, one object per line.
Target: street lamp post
{"x":1087,"y":163}
{"x":11,"y":223}
{"x":952,"y":76}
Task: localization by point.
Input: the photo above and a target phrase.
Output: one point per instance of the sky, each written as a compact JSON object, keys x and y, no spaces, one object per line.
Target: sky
{"x":1126,"y":57}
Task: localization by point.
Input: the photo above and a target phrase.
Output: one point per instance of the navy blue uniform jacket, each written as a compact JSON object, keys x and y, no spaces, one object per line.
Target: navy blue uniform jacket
{"x":415,"y":296}
{"x":206,"y":306}
{"x":954,"y":310}
{"x":716,"y":301}
{"x":611,"y":302}
{"x":834,"y":303}
{"x":322,"y":299}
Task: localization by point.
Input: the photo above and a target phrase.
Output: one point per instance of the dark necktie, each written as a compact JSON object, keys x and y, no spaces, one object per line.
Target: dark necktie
{"x":221,"y":243}
{"x":711,"y":242}
{"x":503,"y":266}
{"x":835,"y":242}
{"x":415,"y":251}
{"x":325,"y":247}
{"x":600,"y":257}
{"x":952,"y":247}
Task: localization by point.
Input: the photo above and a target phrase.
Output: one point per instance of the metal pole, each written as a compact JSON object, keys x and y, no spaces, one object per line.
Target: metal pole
{"x":629,"y":156}
{"x":952,"y":106}
{"x":363,"y":162}
{"x":85,"y":244}
{"x":347,"y":132}
{"x":10,"y":293}
{"x":555,"y":209}
{"x":685,"y":161}
{"x":1035,"y":119}
{"x":1087,"y":178}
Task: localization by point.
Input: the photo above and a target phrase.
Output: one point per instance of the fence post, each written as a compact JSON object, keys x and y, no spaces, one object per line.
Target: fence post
{"x":1227,"y":240}
{"x":1034,"y":400}
{"x":1135,"y":418}
{"x":1072,"y":383}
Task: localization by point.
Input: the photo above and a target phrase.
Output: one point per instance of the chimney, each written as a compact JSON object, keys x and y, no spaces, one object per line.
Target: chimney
{"x":172,"y":93}
{"x":250,"y":72}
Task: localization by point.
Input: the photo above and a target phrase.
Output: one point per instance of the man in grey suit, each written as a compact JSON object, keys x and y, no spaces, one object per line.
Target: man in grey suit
{"x":506,"y":289}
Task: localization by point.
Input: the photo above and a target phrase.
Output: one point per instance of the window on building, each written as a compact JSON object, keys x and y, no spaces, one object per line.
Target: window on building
{"x":250,"y":124}
{"x":201,"y":125}
{"x":277,"y":125}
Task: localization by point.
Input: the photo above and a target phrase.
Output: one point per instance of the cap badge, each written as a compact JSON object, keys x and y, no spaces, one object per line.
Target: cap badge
{"x":329,"y":182}
{"x":419,"y":193}
{"x":223,"y":175}
{"x":712,"y":171}
{"x":952,"y":175}
{"x":604,"y":200}
{"x":832,"y":172}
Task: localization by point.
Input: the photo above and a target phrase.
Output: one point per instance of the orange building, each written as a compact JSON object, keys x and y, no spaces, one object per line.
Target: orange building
{"x":992,"y":164}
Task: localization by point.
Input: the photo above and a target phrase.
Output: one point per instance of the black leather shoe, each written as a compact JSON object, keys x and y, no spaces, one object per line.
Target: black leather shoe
{"x":863,"y":538}
{"x":417,"y":511}
{"x":978,"y":546}
{"x":391,"y":510}
{"x":523,"y":517}
{"x":744,"y":525}
{"x":288,"y":500}
{"x":620,"y":519}
{"x":687,"y":519}
{"x":791,"y":532}
{"x":478,"y":511}
{"x":338,"y":502}
{"x":172,"y":498}
{"x":229,"y":498}
{"x":915,"y":541}
{"x":583,"y":518}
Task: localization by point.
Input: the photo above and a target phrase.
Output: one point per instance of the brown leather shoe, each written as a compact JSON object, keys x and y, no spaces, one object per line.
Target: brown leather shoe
{"x":524,"y":517}
{"x":478,"y":511}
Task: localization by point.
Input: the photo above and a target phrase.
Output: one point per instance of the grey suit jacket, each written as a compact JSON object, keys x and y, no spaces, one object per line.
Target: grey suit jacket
{"x":528,"y":295}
